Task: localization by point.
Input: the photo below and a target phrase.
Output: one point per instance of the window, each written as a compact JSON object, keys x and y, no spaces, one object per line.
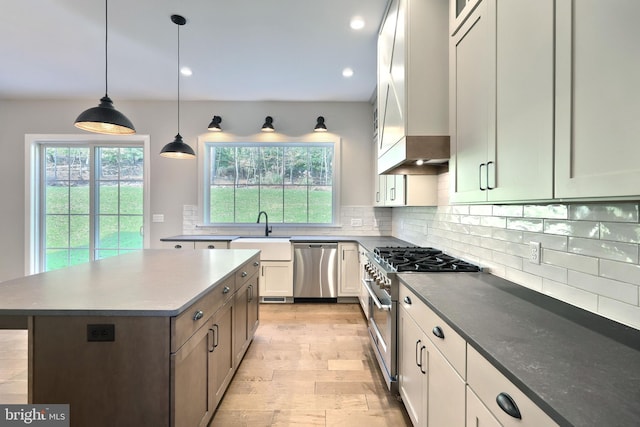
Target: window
{"x":88,"y":201}
{"x":295,"y":183}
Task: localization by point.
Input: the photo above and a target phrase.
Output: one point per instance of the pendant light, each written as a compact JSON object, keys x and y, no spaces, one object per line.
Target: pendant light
{"x":178,"y":149}
{"x":105,"y":118}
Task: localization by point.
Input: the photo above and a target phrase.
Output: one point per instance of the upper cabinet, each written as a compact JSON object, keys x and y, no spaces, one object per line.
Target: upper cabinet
{"x":501,"y":116}
{"x":412,"y":95}
{"x":597,"y":99}
{"x":538,"y":89}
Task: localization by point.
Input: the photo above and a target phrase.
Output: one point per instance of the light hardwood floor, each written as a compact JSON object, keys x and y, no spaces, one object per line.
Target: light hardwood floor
{"x":309,"y":365}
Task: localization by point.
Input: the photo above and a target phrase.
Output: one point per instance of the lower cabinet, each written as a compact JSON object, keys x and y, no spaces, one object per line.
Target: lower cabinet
{"x":276,"y":279}
{"x":477,"y":414}
{"x":221,"y":355}
{"x":432,"y":391}
{"x":245,"y":317}
{"x":349,"y":280}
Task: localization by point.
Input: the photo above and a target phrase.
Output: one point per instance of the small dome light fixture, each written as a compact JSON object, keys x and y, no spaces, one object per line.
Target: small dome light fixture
{"x":347,"y":72}
{"x":186,"y":71}
{"x":214,"y":126}
{"x":320,"y":126}
{"x":419,"y":162}
{"x":268,"y":125}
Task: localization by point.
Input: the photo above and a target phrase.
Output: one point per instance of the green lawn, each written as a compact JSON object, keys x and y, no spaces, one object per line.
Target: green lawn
{"x":291,"y":204}
{"x":67,"y":223}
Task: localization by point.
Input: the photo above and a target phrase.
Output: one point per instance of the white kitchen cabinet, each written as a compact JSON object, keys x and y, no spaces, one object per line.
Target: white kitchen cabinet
{"x":431,"y":388}
{"x":349,"y":279}
{"x":380,"y":189}
{"x":190,"y":244}
{"x":364,"y":294}
{"x":502,"y":73}
{"x":406,"y":190}
{"x":177,"y":244}
{"x":597,"y":99}
{"x":213,"y":244}
{"x":477,"y":414}
{"x":276,"y":279}
{"x":394,"y":194}
{"x":492,"y":388}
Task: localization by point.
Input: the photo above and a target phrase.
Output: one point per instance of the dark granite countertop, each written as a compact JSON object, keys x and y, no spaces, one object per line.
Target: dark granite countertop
{"x":369,"y":242}
{"x":580,"y":368}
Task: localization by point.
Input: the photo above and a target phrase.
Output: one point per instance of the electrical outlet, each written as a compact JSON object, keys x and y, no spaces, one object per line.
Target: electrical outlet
{"x":157,"y":218}
{"x":106,"y":332}
{"x":356,"y":222}
{"x":534,"y":252}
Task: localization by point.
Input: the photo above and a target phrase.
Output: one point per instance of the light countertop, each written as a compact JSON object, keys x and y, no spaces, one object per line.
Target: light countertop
{"x":151,"y":282}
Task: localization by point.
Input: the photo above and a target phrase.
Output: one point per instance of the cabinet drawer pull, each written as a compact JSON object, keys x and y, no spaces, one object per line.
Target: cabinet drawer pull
{"x":178,"y":246}
{"x":407,"y":300}
{"x":244,"y":274}
{"x":437,"y":331}
{"x":211,"y":247}
{"x":256,"y":263}
{"x":198,"y":315}
{"x":226,"y":290}
{"x":508,"y":405}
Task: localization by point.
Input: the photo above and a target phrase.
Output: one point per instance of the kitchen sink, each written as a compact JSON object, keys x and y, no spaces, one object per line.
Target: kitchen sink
{"x":271,"y":248}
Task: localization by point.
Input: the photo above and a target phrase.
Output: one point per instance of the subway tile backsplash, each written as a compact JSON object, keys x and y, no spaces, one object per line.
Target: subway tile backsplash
{"x":590,"y":254}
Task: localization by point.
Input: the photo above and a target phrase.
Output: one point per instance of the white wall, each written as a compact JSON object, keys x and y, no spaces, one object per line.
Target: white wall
{"x":173,"y":182}
{"x":590,"y":251}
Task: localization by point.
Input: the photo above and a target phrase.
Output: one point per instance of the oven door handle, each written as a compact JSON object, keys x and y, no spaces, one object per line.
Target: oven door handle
{"x":374,"y":297}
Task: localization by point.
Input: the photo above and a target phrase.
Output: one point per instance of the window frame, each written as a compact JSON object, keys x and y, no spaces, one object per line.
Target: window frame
{"x":265,"y":140}
{"x":34,"y":183}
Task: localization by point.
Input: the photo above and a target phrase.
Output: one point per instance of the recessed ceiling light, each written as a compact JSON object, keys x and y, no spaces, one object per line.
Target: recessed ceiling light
{"x":186,"y":71}
{"x":347,"y":72}
{"x":357,"y":23}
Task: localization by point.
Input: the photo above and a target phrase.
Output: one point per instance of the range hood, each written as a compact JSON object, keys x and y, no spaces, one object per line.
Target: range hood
{"x":403,"y":157}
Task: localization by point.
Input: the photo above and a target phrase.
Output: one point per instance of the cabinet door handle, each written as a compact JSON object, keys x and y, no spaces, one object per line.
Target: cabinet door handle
{"x":216,"y":336}
{"x":437,"y":331}
{"x":377,"y":196}
{"x":244,"y":274}
{"x":256,"y":263}
{"x":480,"y":176}
{"x":508,"y":405}
{"x":418,"y":360}
{"x":210,"y":338}
{"x":488,"y":186}
{"x":250,"y":293}
{"x":198,"y":315}
{"x":211,"y":247}
{"x":422,"y":349}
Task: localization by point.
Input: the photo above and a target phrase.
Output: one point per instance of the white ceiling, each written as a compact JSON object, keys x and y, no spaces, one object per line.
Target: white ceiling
{"x":291,"y":50}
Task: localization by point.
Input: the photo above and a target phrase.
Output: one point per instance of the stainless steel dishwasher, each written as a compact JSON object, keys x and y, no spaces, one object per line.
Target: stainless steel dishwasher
{"x":315,"y":271}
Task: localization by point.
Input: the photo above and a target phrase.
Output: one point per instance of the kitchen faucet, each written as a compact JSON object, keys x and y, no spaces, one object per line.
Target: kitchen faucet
{"x":267,"y":229}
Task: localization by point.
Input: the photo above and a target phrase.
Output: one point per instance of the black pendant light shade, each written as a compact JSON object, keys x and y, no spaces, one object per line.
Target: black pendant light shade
{"x":105,"y":118}
{"x":214,"y":126}
{"x":320,"y":126}
{"x":268,"y":125}
{"x":177,"y":149}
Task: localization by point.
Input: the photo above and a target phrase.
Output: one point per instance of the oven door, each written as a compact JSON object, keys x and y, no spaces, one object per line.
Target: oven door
{"x":382,"y":327}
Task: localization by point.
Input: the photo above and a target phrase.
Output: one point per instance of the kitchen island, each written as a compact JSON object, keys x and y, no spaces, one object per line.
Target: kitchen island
{"x":147,"y":338}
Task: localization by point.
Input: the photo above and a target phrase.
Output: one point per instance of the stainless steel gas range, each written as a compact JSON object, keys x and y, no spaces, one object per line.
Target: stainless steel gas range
{"x":382,"y":284}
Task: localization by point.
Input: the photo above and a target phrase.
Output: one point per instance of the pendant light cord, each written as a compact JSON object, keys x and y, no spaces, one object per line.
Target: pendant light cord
{"x":178,"y":78}
{"x":106,"y":54}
